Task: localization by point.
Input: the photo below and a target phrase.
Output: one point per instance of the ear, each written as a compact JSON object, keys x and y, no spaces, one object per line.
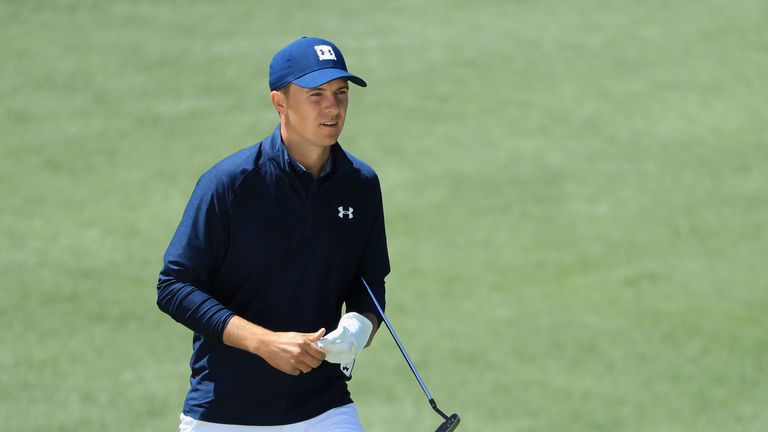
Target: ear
{"x":278,"y":101}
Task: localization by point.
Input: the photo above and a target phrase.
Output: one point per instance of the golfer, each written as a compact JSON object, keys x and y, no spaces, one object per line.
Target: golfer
{"x":270,"y":252}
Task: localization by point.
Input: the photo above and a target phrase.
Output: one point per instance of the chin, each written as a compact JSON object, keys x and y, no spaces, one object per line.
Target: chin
{"x":329,"y":141}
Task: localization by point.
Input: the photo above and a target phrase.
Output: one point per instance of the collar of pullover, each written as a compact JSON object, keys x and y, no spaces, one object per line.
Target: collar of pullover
{"x":274,"y":149}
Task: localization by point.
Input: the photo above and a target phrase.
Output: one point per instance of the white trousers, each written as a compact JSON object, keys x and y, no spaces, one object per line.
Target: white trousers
{"x":341,"y":419}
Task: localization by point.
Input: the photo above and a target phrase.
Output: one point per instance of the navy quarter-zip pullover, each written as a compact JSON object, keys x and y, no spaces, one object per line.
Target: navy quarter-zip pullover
{"x":254,"y":241}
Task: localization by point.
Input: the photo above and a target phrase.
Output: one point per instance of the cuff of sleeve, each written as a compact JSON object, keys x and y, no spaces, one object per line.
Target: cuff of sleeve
{"x":222,"y":324}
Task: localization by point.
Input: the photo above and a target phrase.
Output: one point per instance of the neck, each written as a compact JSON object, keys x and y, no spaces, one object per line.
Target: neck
{"x":312,"y":158}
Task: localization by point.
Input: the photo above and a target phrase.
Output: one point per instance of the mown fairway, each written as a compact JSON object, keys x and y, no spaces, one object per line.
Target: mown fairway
{"x":576,"y":198}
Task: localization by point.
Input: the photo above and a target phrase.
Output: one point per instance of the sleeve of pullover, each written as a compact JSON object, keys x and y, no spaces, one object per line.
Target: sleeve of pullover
{"x":374,"y":265}
{"x":192,"y":259}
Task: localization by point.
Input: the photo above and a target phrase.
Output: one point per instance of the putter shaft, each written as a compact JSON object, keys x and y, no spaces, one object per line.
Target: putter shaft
{"x":432,"y":402}
{"x":451,"y":422}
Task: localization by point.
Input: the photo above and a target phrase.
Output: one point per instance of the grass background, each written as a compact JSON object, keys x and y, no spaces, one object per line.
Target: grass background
{"x":575,"y":196}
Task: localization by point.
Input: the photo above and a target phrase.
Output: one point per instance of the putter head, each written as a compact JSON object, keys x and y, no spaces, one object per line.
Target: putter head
{"x":450,"y":424}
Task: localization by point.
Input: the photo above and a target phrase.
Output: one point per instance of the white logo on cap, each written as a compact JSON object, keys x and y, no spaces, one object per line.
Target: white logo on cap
{"x":324,"y":52}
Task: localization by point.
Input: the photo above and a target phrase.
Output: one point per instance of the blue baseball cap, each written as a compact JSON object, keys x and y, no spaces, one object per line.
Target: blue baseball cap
{"x":309,"y":62}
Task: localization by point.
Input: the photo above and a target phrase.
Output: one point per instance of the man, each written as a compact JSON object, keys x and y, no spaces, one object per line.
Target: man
{"x":274,"y":240}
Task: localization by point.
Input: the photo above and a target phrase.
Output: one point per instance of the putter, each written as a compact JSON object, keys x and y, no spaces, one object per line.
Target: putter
{"x":452,"y":421}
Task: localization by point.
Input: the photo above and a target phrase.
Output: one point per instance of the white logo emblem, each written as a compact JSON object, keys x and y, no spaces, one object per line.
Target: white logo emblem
{"x":348,"y":213}
{"x":324,"y":52}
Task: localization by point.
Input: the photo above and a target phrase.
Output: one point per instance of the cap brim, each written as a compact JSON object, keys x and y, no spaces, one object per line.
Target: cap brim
{"x":322,"y":76}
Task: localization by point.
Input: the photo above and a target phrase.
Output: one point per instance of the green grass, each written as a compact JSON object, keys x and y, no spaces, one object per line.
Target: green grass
{"x":575,"y":196}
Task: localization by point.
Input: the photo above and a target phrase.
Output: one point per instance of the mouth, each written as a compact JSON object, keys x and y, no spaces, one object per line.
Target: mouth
{"x":329,"y":124}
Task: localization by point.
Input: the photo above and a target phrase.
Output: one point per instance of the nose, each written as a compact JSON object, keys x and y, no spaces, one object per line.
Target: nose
{"x":332,"y":104}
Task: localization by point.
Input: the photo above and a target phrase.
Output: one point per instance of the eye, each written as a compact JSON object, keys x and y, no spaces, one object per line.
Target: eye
{"x":342,"y":91}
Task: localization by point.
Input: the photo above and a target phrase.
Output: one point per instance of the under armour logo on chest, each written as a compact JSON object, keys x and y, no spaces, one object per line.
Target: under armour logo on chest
{"x":347,"y":213}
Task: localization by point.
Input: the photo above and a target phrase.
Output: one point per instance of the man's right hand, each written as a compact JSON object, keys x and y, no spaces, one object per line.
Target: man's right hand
{"x":288,"y":352}
{"x":292,"y":353}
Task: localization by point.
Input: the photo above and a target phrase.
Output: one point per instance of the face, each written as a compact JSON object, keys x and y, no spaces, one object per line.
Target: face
{"x":313,"y":117}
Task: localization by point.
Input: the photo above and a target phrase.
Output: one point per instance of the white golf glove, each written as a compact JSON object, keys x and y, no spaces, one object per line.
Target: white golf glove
{"x":345,"y":343}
